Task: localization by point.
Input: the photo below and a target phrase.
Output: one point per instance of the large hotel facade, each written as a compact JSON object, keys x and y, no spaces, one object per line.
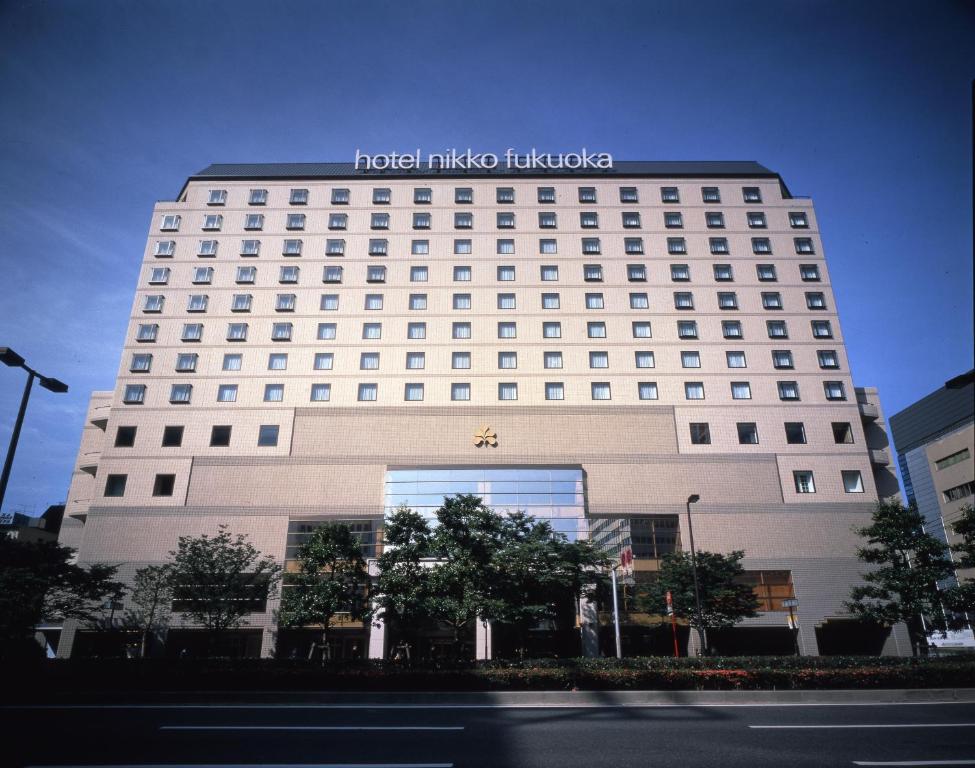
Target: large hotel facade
{"x":314,"y":342}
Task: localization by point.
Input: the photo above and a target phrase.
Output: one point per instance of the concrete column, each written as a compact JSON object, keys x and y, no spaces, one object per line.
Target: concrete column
{"x":269,"y":642}
{"x":898,"y":642}
{"x":377,"y":638}
{"x":807,"y":638}
{"x":66,"y":643}
{"x":589,"y":627}
{"x":483,"y":647}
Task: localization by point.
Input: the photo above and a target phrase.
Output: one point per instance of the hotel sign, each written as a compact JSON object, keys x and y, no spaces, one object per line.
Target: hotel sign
{"x":469,"y":160}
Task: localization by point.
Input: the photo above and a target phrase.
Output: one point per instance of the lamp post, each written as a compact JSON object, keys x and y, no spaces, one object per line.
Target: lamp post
{"x":693,"y":499}
{"x":616,"y":613}
{"x":11,"y":358}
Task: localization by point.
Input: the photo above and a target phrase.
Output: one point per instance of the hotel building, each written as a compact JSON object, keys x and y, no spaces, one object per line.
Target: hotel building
{"x":313,"y":342}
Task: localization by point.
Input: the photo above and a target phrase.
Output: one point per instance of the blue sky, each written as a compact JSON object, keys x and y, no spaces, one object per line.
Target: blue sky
{"x":108,"y":106}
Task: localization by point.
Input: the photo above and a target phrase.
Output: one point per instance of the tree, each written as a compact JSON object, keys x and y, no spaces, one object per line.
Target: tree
{"x":39,"y":581}
{"x":961,"y":598}
{"x":152,"y":593}
{"x":331,"y":578}
{"x":903,"y":587}
{"x":724,"y":600}
{"x":218,"y":580}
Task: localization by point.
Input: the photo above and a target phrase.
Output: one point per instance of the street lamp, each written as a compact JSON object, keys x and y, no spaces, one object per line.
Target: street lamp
{"x":693,"y":499}
{"x":11,"y":358}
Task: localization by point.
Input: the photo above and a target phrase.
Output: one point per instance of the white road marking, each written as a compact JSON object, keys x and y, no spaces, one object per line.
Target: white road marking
{"x":311,"y":727}
{"x":917,"y":762}
{"x":637,"y":705}
{"x":874,"y":725}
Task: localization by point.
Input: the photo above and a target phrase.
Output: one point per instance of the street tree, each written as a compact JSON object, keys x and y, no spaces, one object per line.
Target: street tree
{"x":218,"y":580}
{"x":961,"y":598}
{"x":725,"y":601}
{"x":908,"y":564}
{"x":331,"y":578}
{"x":152,"y":595}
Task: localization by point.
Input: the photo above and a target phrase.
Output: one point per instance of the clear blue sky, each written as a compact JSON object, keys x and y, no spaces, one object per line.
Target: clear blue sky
{"x":108,"y":106}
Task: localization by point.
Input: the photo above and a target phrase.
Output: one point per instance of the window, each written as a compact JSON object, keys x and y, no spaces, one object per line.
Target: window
{"x":141,"y":363}
{"x":788,"y":390}
{"x":690,"y":359}
{"x":554,"y":390}
{"x":375,"y":273}
{"x":639,"y":301}
{"x":422,"y":195}
{"x":212,"y":222}
{"x":547,"y":221}
{"x":461,"y":331}
{"x":340,"y":197}
{"x":267,"y":435}
{"x":673,"y":220}
{"x":834,"y":390}
{"x":804,"y":481}
{"x":227,"y":393}
{"x":165,"y":248}
{"x":852,"y":481}
{"x":642,"y":330}
{"x":821,"y":329}
{"x":718,"y":245}
{"x":338,"y":220}
{"x":714,"y":220}
{"x":463,"y":220}
{"x":170,"y":223}
{"x":197,"y":303}
{"x":164,"y":485}
{"x":782,"y":358}
{"x":546,"y":194}
{"x":751,"y":194}
{"x":240,"y":302}
{"x":207,"y":249}
{"x":948,"y":461}
{"x":507,"y":330}
{"x":153,"y":303}
{"x":506,"y":301}
{"x":549,"y":272}
{"x":329,"y":302}
{"x":601,"y":390}
{"x":507,"y":360}
{"x":321,"y":393}
{"x":735,"y":359}
{"x":250,"y":248}
{"x":647,"y":390}
{"x":462,"y":301}
{"x":633,"y":245}
{"x":756,"y":220}
{"x":590,"y":245}
{"x":592,"y":273}
{"x":115,"y":485}
{"x":299,"y":197}
{"x":420,"y":247}
{"x":636,"y":273}
{"x":506,"y":247}
{"x":809,"y":273}
{"x":550,"y":301}
{"x":460,"y":360}
{"x":372,"y":330}
{"x":804,"y":245}
{"x":181,"y":393}
{"x":589,"y":220}
{"x":798,"y":220}
{"x":220,"y":436}
{"x":416,"y":331}
{"x":273,"y":393}
{"x":842,"y":432}
{"x":795,"y":433}
{"x":418,"y":274}
{"x":727,"y":300}
{"x":460,"y":391}
{"x":777,"y":329}
{"x":815,"y":300}
{"x":285,"y":302}
{"x":323,"y":361}
{"x":594,"y":301}
{"x":766,"y":272}
{"x":378,"y":247}
{"x":232,"y":362}
{"x":629,"y":195}
{"x":599,"y":360}
{"x":462,"y":274}
{"x":413,"y":392}
{"x":959,"y":491}
{"x":281,"y":332}
{"x":587,"y":194}
{"x":644,"y":359}
{"x":772,"y":300}
{"x":687,"y":329}
{"x":379,"y":221}
{"x":700,"y":433}
{"x":192,"y":332}
{"x":710,"y":195}
{"x":134,"y":394}
{"x":186,"y":362}
{"x":631,"y":220}
{"x":418,"y":301}
{"x":505,"y":220}
{"x":506,"y":273}
{"x":507,"y":391}
{"x":669,"y":195}
{"x":172,"y":437}
{"x":683,"y":300}
{"x":596,"y":330}
{"x":552,"y":359}
{"x":827,"y":358}
{"x":694,"y":390}
{"x":288,"y":275}
{"x":254,"y":221}
{"x":680,"y":273}
{"x":747,"y":433}
{"x":761,"y":245}
{"x":257,"y":197}
{"x":552,"y":330}
{"x":421,"y":221}
{"x":676,"y":245}
{"x":731,"y":329}
{"x":277,"y":361}
{"x":741,"y":390}
{"x":415,"y":360}
{"x":332,"y":275}
{"x":125,"y":437}
{"x":463,"y":195}
{"x":246,"y":275}
{"x":505,"y":195}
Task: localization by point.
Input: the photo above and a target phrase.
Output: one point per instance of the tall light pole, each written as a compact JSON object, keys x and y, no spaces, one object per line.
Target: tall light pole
{"x":11,"y":358}
{"x":693,"y":499}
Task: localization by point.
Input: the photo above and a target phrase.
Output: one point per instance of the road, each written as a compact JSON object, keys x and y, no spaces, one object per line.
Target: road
{"x":291,"y":732}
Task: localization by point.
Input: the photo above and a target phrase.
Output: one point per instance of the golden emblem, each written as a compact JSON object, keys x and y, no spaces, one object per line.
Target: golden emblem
{"x":485,"y":436}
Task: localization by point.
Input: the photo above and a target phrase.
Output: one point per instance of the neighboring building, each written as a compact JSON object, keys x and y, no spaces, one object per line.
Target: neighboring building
{"x":935,"y":440}
{"x":26,"y":528}
{"x":313,"y":342}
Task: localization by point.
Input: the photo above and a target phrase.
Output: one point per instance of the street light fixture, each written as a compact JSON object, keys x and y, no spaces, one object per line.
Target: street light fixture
{"x":11,"y":358}
{"x":693,"y":499}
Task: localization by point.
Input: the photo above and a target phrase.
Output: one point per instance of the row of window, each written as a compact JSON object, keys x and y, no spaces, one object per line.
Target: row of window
{"x":380,"y":246}
{"x":187,"y":362}
{"x":465,"y":195}
{"x":686,"y":329}
{"x":182,"y":394}
{"x":591,"y":273}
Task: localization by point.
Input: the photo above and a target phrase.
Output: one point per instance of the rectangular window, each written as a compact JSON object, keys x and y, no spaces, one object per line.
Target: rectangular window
{"x":815,"y":300}
{"x":751,"y":194}
{"x":777,"y":329}
{"x":756,"y":220}
{"x":267,"y":435}
{"x":340,"y":197}
{"x":700,"y":433}
{"x":687,"y":329}
{"x":782,"y":359}
{"x":463,"y":195}
{"x":676,"y":245}
{"x":948,"y":461}
{"x":277,"y":361}
{"x":379,"y":221}
{"x":550,"y":301}
{"x":766,"y":273}
{"x":415,"y":361}
{"x":422,"y":195}
{"x":718,"y":245}
{"x":546,"y":194}
{"x":590,"y":245}
{"x":381,"y":196}
{"x":547,"y":221}
{"x":680,"y":273}
{"x":795,"y":433}
{"x":727,"y":300}
{"x":181,"y":393}
{"x":601,"y":390}
{"x":821,"y":329}
{"x":798,"y":220}
{"x":629,"y":195}
{"x":460,"y":360}
{"x":647,"y":390}
{"x":462,"y":301}
{"x":273,"y":393}
{"x":254,"y":221}
{"x":460,"y":391}
{"x":207,"y":249}
{"x":547,"y":247}
{"x":186,"y":362}
{"x":747,"y":433}
{"x":761,"y":245}
{"x":596,"y":330}
{"x":599,"y":360}
{"x":125,"y":437}
{"x":631,"y":220}
{"x":594,"y":301}
{"x":418,"y":274}
{"x":241,"y":302}
{"x":809,"y":273}
{"x":552,"y":330}
{"x":804,"y":245}
{"x":772,"y":300}
{"x":420,"y":247}
{"x":549,"y":272}
{"x":285,"y":302}
{"x":507,"y":360}
{"x":413,"y":392}
{"x":165,"y":248}
{"x":170,"y":223}
{"x":232,"y":362}
{"x":506,"y":247}
{"x":332,"y":275}
{"x":507,"y":330}
{"x":257,"y":197}
{"x":141,"y":363}
{"x":827,"y":358}
{"x":134,"y":394}
{"x":694,"y":390}
{"x":505,"y":220}
{"x":683,"y":300}
{"x":714,"y":220}
{"x":587,"y":194}
{"x":673,"y":220}
{"x":375,"y":273}
{"x":633,"y":245}
{"x":589,"y":220}
{"x":553,"y":359}
{"x":250,"y":248}
{"x":416,"y":331}
{"x":505,"y":195}
{"x":636,"y":273}
{"x":690,"y":359}
{"x":288,"y":274}
{"x":153,"y":303}
{"x":421,"y":221}
{"x":669,"y":195}
{"x":172,"y":437}
{"x":220,"y":436}
{"x":338,"y":221}
{"x":644,"y":359}
{"x":324,"y":361}
{"x":506,"y":301}
{"x":246,"y":275}
{"x":741,"y":390}
{"x":212,"y":222}
{"x":959,"y":492}
{"x":299,"y":197}
{"x":507,"y":391}
{"x":418,"y":301}
{"x":842,"y":432}
{"x":192,"y":332}
{"x":197,"y":303}
{"x":326,"y":331}
{"x":115,"y":485}
{"x":321,"y":393}
{"x":463,"y":220}
{"x":642,"y":330}
{"x":788,"y":390}
{"x":554,"y":390}
{"x":378,"y":247}
{"x":372,"y":330}
{"x":281,"y":332}
{"x":368,"y":392}
{"x":506,"y":274}
{"x":852,"y":481}
{"x":461,"y":331}
{"x":462,"y":274}
{"x":329,"y":302}
{"x":834,"y":390}
{"x":735,"y":359}
{"x":731,"y":329}
{"x":804,"y":481}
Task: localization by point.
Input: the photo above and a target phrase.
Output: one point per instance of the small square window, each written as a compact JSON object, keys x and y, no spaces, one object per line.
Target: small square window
{"x":422,"y":195}
{"x":690,"y":359}
{"x":241,"y":302}
{"x":683,"y":300}
{"x":281,"y":331}
{"x":277,"y":361}
{"x":372,"y":330}
{"x":815,"y":300}
{"x":694,"y":390}
{"x":735,"y":359}
{"x":772,"y":300}
{"x":731,"y":329}
{"x":647,"y":390}
{"x":213,"y":222}
{"x":680,"y":273}
{"x":461,"y":331}
{"x":553,"y":359}
{"x":554,"y":390}
{"x":378,"y":247}
{"x":633,"y":245}
{"x":673,"y":220}
{"x":413,"y":392}
{"x":827,"y":358}
{"x":700,"y":433}
{"x":418,"y":274}
{"x":599,"y":360}
{"x":460,"y":360}
{"x":257,"y":197}
{"x":416,"y":331}
{"x":324,"y":361}
{"x":418,"y":301}
{"x":549,"y":272}
{"x":852,"y":481}
{"x":237,"y":332}
{"x":165,"y":248}
{"x":220,"y":436}
{"x":288,"y":274}
{"x":594,"y":301}
{"x":644,"y":359}
{"x":462,"y":274}
{"x":192,"y":332}
{"x":804,"y":245}
{"x":181,"y":393}
{"x":636,"y":273}
{"x":727,"y":300}
{"x":300,"y":197}
{"x":250,"y":248}
{"x":463,"y":195}
{"x":379,"y":221}
{"x":547,"y":221}
{"x":460,"y":391}
{"x":140,"y":363}
{"x":507,"y":330}
{"x":842,"y":432}
{"x":227,"y":393}
{"x":246,"y":275}
{"x":267,"y":435}
{"x":375,"y":273}
{"x":115,"y":485}
{"x":589,"y":220}
{"x":172,"y":437}
{"x":798,"y":220}
{"x":669,"y":195}
{"x":164,"y":485}
{"x":186,"y":362}
{"x":723,"y":273}
{"x":332,"y":275}
{"x":552,"y":330}
{"x":505,"y":247}
{"x":170,"y":223}
{"x":804,"y":481}
{"x":550,"y":301}
{"x":809,"y":273}
{"x":125,"y":437}
{"x":421,"y":221}
{"x":548,"y":246}
{"x":751,"y":194}
{"x":273,"y":393}
{"x":756,"y":220}
{"x":631,"y":220}
{"x":710,"y":195}
{"x":587,"y":194}
{"x":463,"y":220}
{"x":321,"y":393}
{"x":507,"y":360}
{"x":601,"y":390}
{"x":741,"y":390}
{"x":254,"y":221}
{"x":505,"y":195}
{"x":822,"y":329}
{"x":788,"y":390}
{"x":506,"y":301}
{"x":629,"y":195}
{"x":766,"y":272}
{"x":676,"y":245}
{"x":714,"y":220}
{"x":596,"y":330}
{"x":761,"y":245}
{"x":642,"y":330}
{"x":687,"y":329}
{"x":546,"y":194}
{"x":782,"y":359}
{"x":777,"y":329}
{"x":834,"y":390}
{"x":795,"y":433}
{"x":590,"y":245}
{"x":747,"y":433}
{"x":718,"y":246}
{"x":338,"y":221}
{"x":508,"y":391}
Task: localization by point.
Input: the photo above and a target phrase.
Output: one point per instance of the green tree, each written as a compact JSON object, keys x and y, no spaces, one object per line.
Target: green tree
{"x":961,"y":598}
{"x":331,"y":578}
{"x":724,"y":600}
{"x":152,"y":594}
{"x":909,"y":563}
{"x":39,"y":581}
{"x":218,"y":580}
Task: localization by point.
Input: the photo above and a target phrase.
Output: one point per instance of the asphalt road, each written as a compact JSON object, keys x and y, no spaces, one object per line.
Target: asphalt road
{"x":401,"y":736}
